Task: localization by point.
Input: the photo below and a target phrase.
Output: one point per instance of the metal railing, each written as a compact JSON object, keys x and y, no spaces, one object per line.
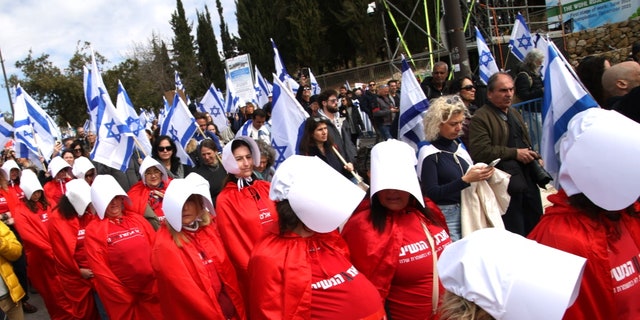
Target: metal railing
{"x":531,"y":111}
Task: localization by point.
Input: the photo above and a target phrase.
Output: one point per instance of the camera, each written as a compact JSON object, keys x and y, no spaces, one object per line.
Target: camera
{"x":371,"y":9}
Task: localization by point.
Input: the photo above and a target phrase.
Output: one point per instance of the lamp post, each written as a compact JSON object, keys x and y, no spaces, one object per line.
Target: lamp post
{"x":455,"y":35}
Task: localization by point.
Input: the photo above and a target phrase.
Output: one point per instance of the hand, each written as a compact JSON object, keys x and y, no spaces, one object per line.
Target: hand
{"x":526,"y":155}
{"x":349,"y":166}
{"x":475,"y":174}
{"x":158,"y":193}
{"x":86,"y":273}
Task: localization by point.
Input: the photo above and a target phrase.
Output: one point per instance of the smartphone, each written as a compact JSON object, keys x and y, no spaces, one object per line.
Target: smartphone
{"x":494,"y":162}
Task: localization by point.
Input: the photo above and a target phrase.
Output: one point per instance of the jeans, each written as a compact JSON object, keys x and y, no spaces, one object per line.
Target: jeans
{"x":452,"y":216}
{"x":384,"y":132}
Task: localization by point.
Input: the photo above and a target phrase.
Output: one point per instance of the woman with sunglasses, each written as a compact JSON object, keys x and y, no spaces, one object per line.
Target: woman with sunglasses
{"x":164,"y":151}
{"x":77,"y":147}
{"x":466,"y":90}
{"x":316,"y":141}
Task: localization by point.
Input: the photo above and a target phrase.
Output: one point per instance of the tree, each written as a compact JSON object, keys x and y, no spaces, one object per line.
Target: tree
{"x":229,"y":44}
{"x":256,"y":24}
{"x":212,"y":66}
{"x":305,"y":31}
{"x":184,"y":52}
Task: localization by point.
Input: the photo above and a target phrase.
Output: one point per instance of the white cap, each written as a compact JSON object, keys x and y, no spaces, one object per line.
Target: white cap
{"x":79,"y":194}
{"x":178,"y":192}
{"x":599,"y":158}
{"x":229,"y":161}
{"x":149,"y":162}
{"x":393,"y":166}
{"x":8,"y":165}
{"x":511,"y":277}
{"x":320,"y":196}
{"x":82,"y":165}
{"x":56,"y":165}
{"x":29,"y":183}
{"x":103,"y":190}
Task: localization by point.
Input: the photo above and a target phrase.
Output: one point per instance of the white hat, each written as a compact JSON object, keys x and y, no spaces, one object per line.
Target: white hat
{"x":177,"y":193}
{"x":599,"y":158}
{"x":319,"y":195}
{"x":149,"y":162}
{"x":103,"y":189}
{"x":56,"y":165}
{"x":29,"y":183}
{"x":79,"y":194}
{"x":8,"y":165}
{"x":393,"y":166}
{"x":229,"y":161}
{"x":511,"y":277}
{"x":82,"y":165}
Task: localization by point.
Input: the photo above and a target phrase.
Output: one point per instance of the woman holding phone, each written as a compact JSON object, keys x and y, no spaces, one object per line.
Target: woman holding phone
{"x":444,"y":166}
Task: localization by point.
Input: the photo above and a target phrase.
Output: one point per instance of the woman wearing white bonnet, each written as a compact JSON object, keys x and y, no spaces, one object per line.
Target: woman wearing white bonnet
{"x":67,"y":226}
{"x":60,"y":172}
{"x":32,"y":222}
{"x":147,"y":194}
{"x":497,"y":274}
{"x":83,"y":168}
{"x":119,"y":254}
{"x":302,"y":270}
{"x":13,"y":173}
{"x":596,"y":213}
{"x":244,"y":211}
{"x":198,"y":281}
{"x":394,"y":240}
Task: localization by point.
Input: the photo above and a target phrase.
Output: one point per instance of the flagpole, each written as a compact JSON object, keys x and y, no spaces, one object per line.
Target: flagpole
{"x":6,"y":82}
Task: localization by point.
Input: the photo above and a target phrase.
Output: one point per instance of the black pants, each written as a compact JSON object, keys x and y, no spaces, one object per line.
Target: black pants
{"x":525,"y":209}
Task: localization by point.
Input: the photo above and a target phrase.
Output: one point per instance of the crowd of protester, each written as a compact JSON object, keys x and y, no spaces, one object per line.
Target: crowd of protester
{"x":234,"y":237}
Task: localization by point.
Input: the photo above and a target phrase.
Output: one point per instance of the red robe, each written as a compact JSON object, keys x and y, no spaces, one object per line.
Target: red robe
{"x":54,"y":189}
{"x":184,"y":285}
{"x":568,"y":229}
{"x":34,"y":231}
{"x":376,"y":254}
{"x":280,"y":275}
{"x":135,"y":298}
{"x":139,"y":195}
{"x":240,"y":224}
{"x":64,"y":239}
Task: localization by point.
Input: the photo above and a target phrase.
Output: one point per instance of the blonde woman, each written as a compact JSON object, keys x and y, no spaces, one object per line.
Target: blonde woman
{"x":199,"y":281}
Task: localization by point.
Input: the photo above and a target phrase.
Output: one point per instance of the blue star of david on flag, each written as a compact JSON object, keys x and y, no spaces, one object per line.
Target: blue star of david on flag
{"x":214,"y":111}
{"x":174,"y":134}
{"x":280,"y":150}
{"x":524,"y":42}
{"x":485,"y":58}
{"x":134,"y":125}
{"x":111,"y":134}
{"x":26,"y":133}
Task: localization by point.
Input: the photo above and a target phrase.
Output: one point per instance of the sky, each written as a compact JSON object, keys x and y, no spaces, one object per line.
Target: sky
{"x":55,"y":27}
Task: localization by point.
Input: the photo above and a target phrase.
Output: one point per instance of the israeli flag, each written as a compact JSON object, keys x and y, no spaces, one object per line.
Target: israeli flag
{"x":136,"y":125}
{"x":315,"y":88}
{"x":521,"y":41}
{"x":287,"y":119}
{"x":179,"y":85}
{"x":281,"y":70}
{"x":212,"y":104}
{"x":413,"y":105}
{"x":6,"y":131}
{"x":24,"y":132}
{"x":232,"y":100}
{"x":486,"y":61}
{"x":92,"y":83}
{"x":45,"y":129}
{"x":180,"y":125}
{"x":262,"y":87}
{"x":564,"y":97}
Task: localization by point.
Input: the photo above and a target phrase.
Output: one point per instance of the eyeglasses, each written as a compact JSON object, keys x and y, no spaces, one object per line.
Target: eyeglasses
{"x":307,"y":88}
{"x":333,"y":100}
{"x":77,"y":150}
{"x":469,"y":87}
{"x":454,"y":100}
{"x":372,"y":84}
{"x":167,"y":148}
{"x":153,"y":173}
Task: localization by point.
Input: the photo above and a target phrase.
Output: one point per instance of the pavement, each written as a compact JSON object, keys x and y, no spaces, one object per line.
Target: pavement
{"x":36,"y":300}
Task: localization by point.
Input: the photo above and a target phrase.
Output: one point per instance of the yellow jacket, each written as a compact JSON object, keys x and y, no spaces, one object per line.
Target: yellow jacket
{"x":10,"y":250}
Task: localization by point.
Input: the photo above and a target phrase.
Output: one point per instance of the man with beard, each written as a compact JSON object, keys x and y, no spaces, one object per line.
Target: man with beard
{"x":328,"y":103}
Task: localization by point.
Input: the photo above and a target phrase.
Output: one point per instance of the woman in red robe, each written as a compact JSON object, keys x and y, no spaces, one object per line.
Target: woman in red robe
{"x":393,"y":240}
{"x":199,"y":281}
{"x":67,"y":232}
{"x":302,"y":270}
{"x":32,"y":220}
{"x":244,"y":210}
{"x":119,"y":253}
{"x":149,"y":191}
{"x":61,"y":172}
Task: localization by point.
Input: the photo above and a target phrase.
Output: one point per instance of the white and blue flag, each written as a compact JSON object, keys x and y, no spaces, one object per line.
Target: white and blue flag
{"x":136,"y":125}
{"x":6,"y":131}
{"x":521,"y":40}
{"x":232,"y":100}
{"x":281,"y":70}
{"x":212,"y":104}
{"x":180,"y":125}
{"x":45,"y":129}
{"x":564,"y":97}
{"x":315,"y":87}
{"x":413,"y":105}
{"x":23,"y":130}
{"x":486,"y":61}
{"x":287,"y":119}
{"x":262,"y":87}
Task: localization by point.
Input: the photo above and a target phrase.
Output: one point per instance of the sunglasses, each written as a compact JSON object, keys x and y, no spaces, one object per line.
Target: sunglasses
{"x":77,"y":150}
{"x":167,"y":148}
{"x":468,"y":88}
{"x":307,"y":88}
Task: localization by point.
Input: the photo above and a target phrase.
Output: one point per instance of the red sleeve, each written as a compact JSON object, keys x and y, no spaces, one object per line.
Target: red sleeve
{"x":53,"y":192}
{"x":436,"y":213}
{"x":138,"y":196}
{"x":33,"y":231}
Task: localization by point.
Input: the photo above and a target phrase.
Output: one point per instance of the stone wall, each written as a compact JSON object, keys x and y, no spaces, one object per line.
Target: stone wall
{"x":614,"y":41}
